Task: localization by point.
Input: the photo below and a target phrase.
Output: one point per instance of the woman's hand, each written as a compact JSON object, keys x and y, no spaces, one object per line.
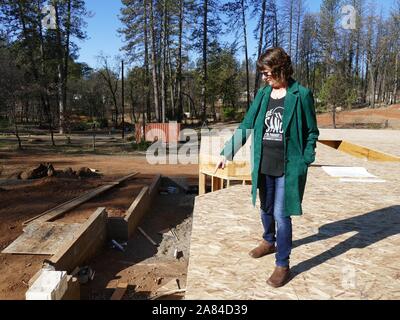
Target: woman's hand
{"x":221,"y":164}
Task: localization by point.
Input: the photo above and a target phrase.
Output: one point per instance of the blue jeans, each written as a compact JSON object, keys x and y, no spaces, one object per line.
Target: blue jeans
{"x":272,"y":195}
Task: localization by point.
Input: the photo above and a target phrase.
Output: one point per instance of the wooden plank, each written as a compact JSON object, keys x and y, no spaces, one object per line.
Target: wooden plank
{"x":363,"y":152}
{"x":123,"y":228}
{"x":141,"y":196}
{"x":153,"y":190}
{"x":202,"y":183}
{"x":167,"y":293}
{"x":224,"y":175}
{"x":120,"y":291}
{"x":71,"y":204}
{"x":87,"y":242}
{"x":137,"y":210}
{"x":168,"y":289}
{"x":43,"y":239}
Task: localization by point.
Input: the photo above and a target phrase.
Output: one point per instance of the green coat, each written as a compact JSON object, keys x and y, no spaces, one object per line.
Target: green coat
{"x":300,"y":138}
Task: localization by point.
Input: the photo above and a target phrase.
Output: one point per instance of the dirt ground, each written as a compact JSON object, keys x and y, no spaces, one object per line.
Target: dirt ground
{"x":21,"y":202}
{"x":145,"y":267}
{"x":364,"y":116}
{"x":116,"y":201}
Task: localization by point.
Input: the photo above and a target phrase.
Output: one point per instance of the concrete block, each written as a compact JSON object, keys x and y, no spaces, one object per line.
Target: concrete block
{"x":50,"y":285}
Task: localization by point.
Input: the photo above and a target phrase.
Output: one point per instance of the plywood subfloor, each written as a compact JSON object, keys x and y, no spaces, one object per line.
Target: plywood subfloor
{"x":345,"y":245}
{"x":386,"y":141}
{"x":43,"y":239}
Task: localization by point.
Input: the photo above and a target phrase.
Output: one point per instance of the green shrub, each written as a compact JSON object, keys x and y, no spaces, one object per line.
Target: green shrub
{"x":141,"y":146}
{"x":103,"y":123}
{"x":229,"y":113}
{"x":131,"y":138}
{"x":239,"y":116}
{"x":4,"y":123}
{"x":79,"y":126}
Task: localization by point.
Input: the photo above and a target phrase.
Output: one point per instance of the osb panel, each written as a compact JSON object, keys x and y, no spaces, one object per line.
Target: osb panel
{"x":380,"y":140}
{"x":345,"y":245}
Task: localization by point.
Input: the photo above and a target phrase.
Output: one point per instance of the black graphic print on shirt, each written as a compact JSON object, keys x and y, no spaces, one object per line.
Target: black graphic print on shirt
{"x":273,"y":125}
{"x":272,"y":162}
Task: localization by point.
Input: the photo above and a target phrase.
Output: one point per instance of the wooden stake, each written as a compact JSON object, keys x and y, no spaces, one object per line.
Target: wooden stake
{"x":147,"y":236}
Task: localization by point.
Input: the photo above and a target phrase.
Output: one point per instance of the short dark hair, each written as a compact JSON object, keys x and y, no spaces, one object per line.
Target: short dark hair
{"x":279,"y":61}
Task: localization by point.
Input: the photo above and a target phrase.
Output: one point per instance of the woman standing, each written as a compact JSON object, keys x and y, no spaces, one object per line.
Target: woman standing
{"x":284,"y":140}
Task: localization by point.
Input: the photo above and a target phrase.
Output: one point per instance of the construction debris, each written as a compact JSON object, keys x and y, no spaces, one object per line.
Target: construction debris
{"x":167,"y":293}
{"x":170,"y":288}
{"x":115,"y":244}
{"x":47,"y":170}
{"x":85,"y":274}
{"x":38,"y":172}
{"x":147,"y":236}
{"x":86,"y":173}
{"x":174,"y":234}
{"x":178,"y":254}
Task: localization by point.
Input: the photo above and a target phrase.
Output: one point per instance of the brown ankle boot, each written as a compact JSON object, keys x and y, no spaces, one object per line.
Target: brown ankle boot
{"x":279,"y":277}
{"x":263,"y":249}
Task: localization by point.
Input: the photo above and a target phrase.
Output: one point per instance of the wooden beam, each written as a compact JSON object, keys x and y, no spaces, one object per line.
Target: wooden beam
{"x":153,"y":189}
{"x":137,"y":210}
{"x":123,"y":228}
{"x":141,"y":205}
{"x":202,"y":183}
{"x":88,"y":241}
{"x":71,"y":204}
{"x":167,"y":293}
{"x":120,"y":291}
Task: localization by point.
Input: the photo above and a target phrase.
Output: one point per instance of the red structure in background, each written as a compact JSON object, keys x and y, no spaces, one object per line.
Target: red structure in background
{"x":165,"y":132}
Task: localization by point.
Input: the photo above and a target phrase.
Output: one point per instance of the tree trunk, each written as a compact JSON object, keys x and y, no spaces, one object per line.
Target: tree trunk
{"x":179,"y":68}
{"x":146,"y":63}
{"x":366,"y":81}
{"x":171,"y":80}
{"x":260,"y":44}
{"x":334,"y":117}
{"x":60,"y":70}
{"x":123,"y":99}
{"x":205,"y":46}
{"x":16,"y":132}
{"x":35,"y":72}
{"x":246,"y":54}
{"x":299,"y":9}
{"x":132,"y":102}
{"x":154,"y":61}
{"x":373,"y":86}
{"x":290,"y":27}
{"x":396,"y":79}
{"x":163,"y":63}
{"x":64,"y":86}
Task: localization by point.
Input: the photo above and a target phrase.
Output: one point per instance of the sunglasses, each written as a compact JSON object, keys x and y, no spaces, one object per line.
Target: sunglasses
{"x":267,"y":74}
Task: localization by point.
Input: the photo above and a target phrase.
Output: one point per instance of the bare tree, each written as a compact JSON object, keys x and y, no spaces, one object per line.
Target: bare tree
{"x":110,"y":76}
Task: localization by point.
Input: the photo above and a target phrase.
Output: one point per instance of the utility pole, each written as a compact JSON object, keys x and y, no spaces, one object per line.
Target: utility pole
{"x":123,"y":101}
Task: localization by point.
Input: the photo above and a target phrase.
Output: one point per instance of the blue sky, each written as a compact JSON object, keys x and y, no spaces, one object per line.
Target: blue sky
{"x":103,"y":37}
